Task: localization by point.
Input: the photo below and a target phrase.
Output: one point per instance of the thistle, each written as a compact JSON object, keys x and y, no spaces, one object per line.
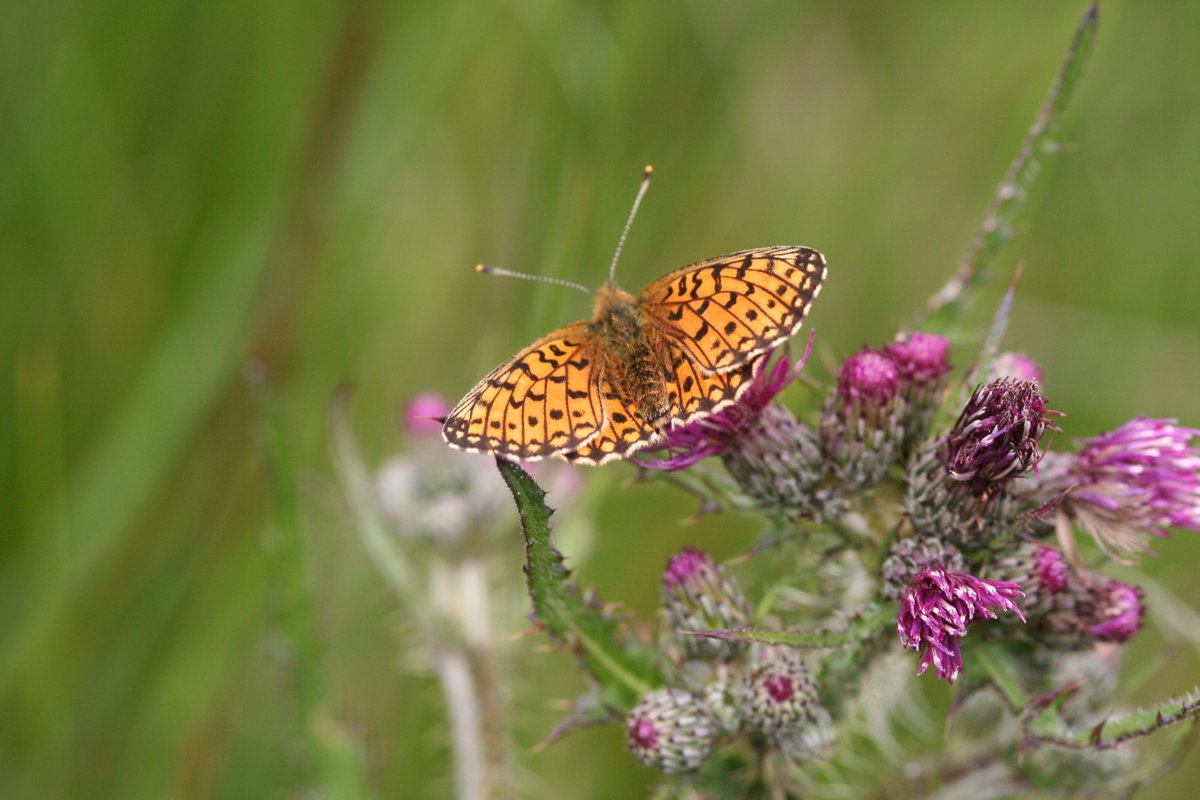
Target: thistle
{"x":862,"y":427}
{"x":936,"y":609}
{"x":699,"y":594}
{"x":670,"y":730}
{"x":1131,"y":484}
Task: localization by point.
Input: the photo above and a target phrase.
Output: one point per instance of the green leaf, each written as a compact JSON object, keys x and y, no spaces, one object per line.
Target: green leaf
{"x":944,"y":309}
{"x":864,"y":627}
{"x":623,"y":668}
{"x":1048,"y":727}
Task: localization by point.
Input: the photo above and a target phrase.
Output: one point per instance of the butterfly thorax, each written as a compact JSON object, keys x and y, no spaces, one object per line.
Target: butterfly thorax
{"x":631,"y":350}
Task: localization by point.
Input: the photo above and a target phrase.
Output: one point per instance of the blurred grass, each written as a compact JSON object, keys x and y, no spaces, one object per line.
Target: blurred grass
{"x":185,"y":187}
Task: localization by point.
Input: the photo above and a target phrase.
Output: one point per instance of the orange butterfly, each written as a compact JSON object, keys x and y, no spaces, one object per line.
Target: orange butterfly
{"x":683,"y":348}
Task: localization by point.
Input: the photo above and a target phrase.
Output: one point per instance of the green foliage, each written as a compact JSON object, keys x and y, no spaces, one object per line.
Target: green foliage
{"x":623,"y":667}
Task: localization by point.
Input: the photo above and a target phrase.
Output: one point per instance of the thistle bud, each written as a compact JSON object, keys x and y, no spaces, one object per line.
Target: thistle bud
{"x":671,"y":730}
{"x":1038,"y":569}
{"x":778,"y":698}
{"x":1093,"y":608}
{"x":862,"y":424}
{"x":923,"y":360}
{"x":1118,"y":612}
{"x":699,"y":595}
{"x":721,"y":697}
{"x":942,"y":508}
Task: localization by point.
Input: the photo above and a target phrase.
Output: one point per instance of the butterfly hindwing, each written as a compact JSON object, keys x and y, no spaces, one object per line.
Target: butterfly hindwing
{"x":695,"y":393}
{"x":724,"y":311}
{"x":624,"y":431}
{"x":543,"y":401}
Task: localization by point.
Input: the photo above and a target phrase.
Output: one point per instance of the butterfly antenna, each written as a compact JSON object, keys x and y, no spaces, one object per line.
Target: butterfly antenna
{"x":490,"y":270}
{"x":637,"y":201}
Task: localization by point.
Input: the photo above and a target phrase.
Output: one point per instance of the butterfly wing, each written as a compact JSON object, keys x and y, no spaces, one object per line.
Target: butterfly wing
{"x":725,"y":311}
{"x":545,"y":400}
{"x":692,"y":394}
{"x":625,"y":431}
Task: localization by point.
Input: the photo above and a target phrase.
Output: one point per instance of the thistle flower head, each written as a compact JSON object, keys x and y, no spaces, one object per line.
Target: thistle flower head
{"x":1138,"y":480}
{"x":699,"y":594}
{"x":862,"y":425}
{"x":936,"y":609}
{"x":868,"y":381}
{"x":671,"y":730}
{"x":922,"y":358}
{"x":996,"y":437}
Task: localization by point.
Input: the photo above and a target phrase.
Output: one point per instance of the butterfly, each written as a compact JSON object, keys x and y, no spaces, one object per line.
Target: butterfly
{"x":683,"y":348}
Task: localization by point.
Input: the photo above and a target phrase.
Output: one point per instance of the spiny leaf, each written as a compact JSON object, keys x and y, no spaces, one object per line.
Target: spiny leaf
{"x":623,"y":668}
{"x":944,"y":308}
{"x":863,"y":627}
{"x":1049,"y":727}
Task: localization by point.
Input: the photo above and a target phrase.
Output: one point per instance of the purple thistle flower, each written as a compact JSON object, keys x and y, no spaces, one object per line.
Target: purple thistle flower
{"x":716,"y":434}
{"x":922,"y":358}
{"x":996,"y":437}
{"x":1016,"y":365}
{"x":1119,"y":611}
{"x":862,"y":425}
{"x":1140,"y":479}
{"x":869,"y":380}
{"x":685,"y":565}
{"x":936,"y":609}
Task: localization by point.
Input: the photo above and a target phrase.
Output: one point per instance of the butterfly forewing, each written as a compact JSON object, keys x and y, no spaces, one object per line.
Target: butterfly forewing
{"x":725,"y":311}
{"x":543,"y":401}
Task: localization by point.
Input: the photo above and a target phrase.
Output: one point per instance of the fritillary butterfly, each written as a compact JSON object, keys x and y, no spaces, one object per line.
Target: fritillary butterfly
{"x":683,"y":348}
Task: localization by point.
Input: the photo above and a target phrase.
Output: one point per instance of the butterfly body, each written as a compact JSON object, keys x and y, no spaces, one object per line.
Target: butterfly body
{"x":631,"y":350}
{"x":684,"y":347}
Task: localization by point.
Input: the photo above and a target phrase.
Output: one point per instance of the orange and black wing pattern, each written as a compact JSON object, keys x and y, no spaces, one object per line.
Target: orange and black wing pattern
{"x":544,"y":401}
{"x":625,"y":431}
{"x":725,"y":311}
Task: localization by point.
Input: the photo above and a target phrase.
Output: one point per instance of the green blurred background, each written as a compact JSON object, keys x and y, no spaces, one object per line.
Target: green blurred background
{"x":187,"y":187}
